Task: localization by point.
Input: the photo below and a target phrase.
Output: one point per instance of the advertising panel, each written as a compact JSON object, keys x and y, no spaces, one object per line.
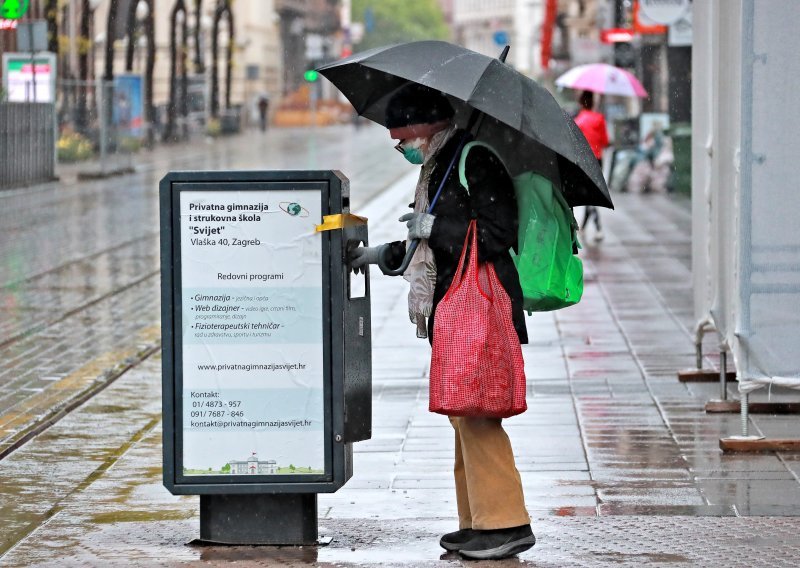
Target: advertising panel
{"x":27,"y":80}
{"x":128,"y":110}
{"x":251,"y":270}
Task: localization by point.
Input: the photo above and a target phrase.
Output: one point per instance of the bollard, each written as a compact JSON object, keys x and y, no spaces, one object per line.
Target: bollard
{"x":723,"y":375}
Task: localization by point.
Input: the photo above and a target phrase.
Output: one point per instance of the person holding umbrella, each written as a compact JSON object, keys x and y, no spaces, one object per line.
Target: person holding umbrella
{"x":493,"y":520}
{"x":593,"y":126}
{"x":421,"y":91}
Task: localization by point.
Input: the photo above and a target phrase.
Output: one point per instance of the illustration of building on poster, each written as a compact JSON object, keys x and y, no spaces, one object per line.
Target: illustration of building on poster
{"x":252,"y":332}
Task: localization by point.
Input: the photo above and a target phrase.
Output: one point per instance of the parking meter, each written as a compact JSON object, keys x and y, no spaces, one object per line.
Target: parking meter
{"x":266,"y":348}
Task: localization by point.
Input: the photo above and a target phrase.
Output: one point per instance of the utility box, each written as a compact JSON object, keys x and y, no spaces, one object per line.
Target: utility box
{"x":266,"y":348}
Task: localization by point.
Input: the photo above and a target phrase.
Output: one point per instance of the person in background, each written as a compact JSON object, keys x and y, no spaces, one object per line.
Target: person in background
{"x":263,"y":112}
{"x":593,"y":126}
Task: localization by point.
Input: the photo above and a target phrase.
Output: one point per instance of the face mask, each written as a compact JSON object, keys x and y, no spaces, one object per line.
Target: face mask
{"x":412,"y":150}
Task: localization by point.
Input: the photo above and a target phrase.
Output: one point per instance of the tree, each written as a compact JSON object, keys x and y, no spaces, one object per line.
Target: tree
{"x":51,"y":16}
{"x":223,"y":9}
{"x":395,"y":21}
{"x":84,"y":46}
{"x":226,"y":468}
{"x":199,"y":62}
{"x":150,"y":57}
{"x":177,"y":92}
{"x":110,"y":23}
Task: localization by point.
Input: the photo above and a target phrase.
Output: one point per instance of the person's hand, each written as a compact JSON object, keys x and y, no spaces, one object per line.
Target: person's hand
{"x":420,"y":225}
{"x":360,"y":257}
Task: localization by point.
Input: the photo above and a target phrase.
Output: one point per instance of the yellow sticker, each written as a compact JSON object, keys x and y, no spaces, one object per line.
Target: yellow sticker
{"x":340,"y":221}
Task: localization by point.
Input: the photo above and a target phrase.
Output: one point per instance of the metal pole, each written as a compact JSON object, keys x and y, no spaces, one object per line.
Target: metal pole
{"x":33,"y":57}
{"x":745,"y":412}
{"x":699,"y":354}
{"x":723,"y":375}
{"x":101,"y":98}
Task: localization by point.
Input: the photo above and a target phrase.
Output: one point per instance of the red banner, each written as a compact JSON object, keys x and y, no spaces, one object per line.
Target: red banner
{"x":550,"y":13}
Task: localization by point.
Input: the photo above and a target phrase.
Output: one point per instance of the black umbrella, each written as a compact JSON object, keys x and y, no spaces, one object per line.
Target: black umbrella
{"x":522,"y":119}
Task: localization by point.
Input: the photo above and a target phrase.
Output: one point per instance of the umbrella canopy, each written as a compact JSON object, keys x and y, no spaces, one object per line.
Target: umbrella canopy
{"x":522,"y":119}
{"x":602,"y":78}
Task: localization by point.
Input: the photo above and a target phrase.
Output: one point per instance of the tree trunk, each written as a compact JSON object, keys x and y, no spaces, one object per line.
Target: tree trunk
{"x":149,"y":108}
{"x":51,"y":16}
{"x":214,"y":103}
{"x":172,"y":107}
{"x":223,"y":8}
{"x":229,"y":58}
{"x":82,"y":118}
{"x":199,"y":63}
{"x":130,"y":31}
{"x":112,"y":18}
{"x":183,"y":104}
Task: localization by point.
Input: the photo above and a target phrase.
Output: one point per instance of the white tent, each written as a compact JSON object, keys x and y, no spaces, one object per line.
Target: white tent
{"x":745,"y":184}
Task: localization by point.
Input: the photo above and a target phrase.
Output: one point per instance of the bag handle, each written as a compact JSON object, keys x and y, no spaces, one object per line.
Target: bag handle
{"x":462,"y":272}
{"x":459,"y":276}
{"x":462,"y":163}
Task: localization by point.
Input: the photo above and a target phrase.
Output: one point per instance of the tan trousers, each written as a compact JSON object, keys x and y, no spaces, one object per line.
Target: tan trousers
{"x":488,"y":486}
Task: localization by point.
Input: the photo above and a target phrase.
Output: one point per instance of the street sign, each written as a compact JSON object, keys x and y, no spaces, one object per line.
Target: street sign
{"x":500,"y":37}
{"x":32,"y":36}
{"x":27,"y":80}
{"x":267,"y":349}
{"x":644,"y":25}
{"x":680,"y":33}
{"x":664,"y":12}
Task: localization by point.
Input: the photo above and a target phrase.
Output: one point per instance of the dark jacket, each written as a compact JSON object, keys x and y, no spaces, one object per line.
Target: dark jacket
{"x":491,"y":201}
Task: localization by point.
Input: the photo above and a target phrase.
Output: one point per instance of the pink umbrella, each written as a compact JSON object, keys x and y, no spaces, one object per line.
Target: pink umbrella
{"x":602,"y":78}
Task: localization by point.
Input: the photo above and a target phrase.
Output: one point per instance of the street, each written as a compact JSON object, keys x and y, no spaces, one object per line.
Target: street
{"x":619,"y":462}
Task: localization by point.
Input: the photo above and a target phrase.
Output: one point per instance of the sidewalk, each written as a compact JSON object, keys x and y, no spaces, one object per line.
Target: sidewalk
{"x":619,"y":462}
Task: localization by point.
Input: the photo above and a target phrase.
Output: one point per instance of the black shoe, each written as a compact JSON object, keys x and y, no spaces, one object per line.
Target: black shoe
{"x":497,"y":544}
{"x":455,"y":540}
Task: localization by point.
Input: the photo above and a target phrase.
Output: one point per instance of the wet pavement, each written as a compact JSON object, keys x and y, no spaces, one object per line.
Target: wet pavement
{"x":79,"y":263}
{"x":619,"y":462}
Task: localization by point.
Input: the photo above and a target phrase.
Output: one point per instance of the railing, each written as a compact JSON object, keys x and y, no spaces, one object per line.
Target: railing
{"x":27,"y":143}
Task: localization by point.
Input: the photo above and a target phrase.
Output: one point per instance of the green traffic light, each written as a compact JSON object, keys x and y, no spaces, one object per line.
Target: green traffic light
{"x":310,"y":75}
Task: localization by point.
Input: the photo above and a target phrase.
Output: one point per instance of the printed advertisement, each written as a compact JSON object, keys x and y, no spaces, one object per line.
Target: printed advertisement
{"x":128,"y":109}
{"x":251,"y":270}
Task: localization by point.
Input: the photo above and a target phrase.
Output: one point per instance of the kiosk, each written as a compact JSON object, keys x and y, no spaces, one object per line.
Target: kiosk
{"x":266,"y":348}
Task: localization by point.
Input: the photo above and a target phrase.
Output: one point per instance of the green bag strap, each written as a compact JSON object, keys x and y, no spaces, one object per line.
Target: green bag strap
{"x":462,"y":163}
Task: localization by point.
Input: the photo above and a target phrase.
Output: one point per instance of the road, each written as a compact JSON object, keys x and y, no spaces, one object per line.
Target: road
{"x":79,"y":263}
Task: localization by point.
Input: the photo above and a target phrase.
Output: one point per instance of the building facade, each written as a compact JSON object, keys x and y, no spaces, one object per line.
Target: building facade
{"x":253,"y":466}
{"x":486,"y":26}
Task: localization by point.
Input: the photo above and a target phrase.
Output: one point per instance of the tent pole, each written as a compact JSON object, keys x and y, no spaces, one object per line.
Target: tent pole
{"x":723,"y":375}
{"x":745,"y":412}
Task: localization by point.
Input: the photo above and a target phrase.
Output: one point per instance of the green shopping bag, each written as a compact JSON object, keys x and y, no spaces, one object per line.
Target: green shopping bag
{"x":550,"y":274}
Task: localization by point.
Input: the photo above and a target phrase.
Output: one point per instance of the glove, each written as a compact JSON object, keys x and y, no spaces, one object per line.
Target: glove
{"x":359,"y":257}
{"x":420,"y":225}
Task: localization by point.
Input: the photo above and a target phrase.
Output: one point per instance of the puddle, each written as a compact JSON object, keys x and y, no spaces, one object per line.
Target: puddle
{"x":140,"y":516}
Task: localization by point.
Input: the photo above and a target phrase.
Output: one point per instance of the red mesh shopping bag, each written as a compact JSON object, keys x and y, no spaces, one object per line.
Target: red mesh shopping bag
{"x":476,"y":367}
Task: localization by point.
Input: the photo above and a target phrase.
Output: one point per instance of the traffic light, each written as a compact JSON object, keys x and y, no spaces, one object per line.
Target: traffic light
{"x":310,"y":75}
{"x":13,"y":9}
